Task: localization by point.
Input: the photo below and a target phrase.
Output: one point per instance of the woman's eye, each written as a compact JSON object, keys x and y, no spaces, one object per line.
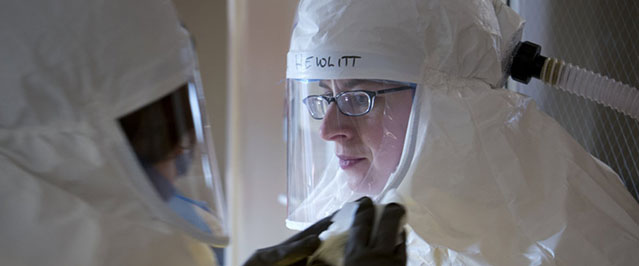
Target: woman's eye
{"x":361,"y":99}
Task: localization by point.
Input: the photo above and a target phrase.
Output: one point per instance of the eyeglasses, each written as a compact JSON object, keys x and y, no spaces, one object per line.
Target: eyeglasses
{"x":349,"y":103}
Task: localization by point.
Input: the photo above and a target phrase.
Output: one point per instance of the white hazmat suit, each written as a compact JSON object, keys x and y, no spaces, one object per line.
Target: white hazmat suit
{"x":487,"y":179}
{"x":71,"y":189}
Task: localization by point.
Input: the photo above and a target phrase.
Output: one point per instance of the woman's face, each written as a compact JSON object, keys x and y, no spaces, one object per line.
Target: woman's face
{"x":369,"y":147}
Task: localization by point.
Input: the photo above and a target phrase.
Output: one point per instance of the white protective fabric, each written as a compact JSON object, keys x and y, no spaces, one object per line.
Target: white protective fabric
{"x":489,"y":179}
{"x":69,"y":70}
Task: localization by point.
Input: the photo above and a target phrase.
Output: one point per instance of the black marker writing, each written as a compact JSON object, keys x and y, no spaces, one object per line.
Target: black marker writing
{"x":346,"y":57}
{"x":302,"y":62}
{"x":308,"y":62}
{"x":323,"y":62}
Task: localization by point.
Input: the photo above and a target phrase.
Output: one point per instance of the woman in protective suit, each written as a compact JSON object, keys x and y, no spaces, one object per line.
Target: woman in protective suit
{"x":402,"y":102}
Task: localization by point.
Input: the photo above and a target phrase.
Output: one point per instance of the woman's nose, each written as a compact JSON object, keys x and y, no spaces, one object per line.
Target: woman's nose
{"x":335,"y":125}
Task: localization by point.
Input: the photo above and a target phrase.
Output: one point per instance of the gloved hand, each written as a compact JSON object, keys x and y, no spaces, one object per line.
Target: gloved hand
{"x":293,"y":251}
{"x":383,"y":249}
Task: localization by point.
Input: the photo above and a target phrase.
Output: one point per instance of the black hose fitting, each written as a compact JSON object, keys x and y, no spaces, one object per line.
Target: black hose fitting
{"x":527,"y":62}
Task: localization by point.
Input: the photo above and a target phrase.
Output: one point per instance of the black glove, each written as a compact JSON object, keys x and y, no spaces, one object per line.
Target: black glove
{"x":383,"y":249}
{"x":293,"y":251}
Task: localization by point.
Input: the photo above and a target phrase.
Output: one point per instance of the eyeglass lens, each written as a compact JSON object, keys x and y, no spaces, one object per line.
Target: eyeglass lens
{"x":350,"y":103}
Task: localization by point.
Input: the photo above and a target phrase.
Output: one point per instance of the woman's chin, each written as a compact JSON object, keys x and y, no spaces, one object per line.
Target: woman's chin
{"x":360,"y":184}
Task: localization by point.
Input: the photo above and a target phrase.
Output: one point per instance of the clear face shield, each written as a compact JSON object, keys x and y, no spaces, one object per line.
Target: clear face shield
{"x":345,"y":140}
{"x":173,"y":145}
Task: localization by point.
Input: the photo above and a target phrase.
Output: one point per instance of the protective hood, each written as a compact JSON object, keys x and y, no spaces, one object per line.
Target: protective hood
{"x":486,"y":177}
{"x":68,"y":193}
{"x":376,"y":40}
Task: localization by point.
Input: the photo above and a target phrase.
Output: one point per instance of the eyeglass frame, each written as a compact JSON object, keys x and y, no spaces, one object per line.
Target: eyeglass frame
{"x":371,"y":95}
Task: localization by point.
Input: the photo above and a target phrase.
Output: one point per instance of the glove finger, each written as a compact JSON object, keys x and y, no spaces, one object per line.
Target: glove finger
{"x":363,"y":198}
{"x":362,"y":225}
{"x":292,"y":252}
{"x":264,"y":256}
{"x":318,"y":262}
{"x":314,"y":229}
{"x":319,"y":226}
{"x":389,"y":227}
{"x":400,"y":250}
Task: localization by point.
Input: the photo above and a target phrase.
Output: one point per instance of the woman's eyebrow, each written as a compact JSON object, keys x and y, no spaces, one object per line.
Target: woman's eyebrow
{"x":324,"y":85}
{"x":352,"y":83}
{"x":347,"y":85}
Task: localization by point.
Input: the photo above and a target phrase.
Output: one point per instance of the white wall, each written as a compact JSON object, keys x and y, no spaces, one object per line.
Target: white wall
{"x":260,"y":33}
{"x":242,"y":47}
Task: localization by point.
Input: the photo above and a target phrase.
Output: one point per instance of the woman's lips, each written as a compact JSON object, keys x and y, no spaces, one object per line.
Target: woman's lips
{"x":348,"y":162}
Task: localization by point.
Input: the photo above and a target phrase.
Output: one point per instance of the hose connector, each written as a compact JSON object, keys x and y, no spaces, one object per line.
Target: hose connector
{"x":527,"y":62}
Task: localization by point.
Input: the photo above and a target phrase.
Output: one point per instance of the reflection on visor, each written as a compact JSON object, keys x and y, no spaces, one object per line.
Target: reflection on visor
{"x":171,"y":150}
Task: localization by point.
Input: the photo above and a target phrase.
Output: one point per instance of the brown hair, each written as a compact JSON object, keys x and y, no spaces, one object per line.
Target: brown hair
{"x":156,"y":129}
